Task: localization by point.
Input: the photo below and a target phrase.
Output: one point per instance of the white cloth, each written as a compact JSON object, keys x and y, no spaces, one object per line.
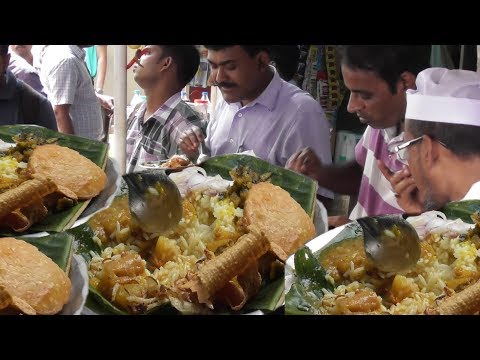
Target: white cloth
{"x":446,"y":96}
{"x":474,"y":192}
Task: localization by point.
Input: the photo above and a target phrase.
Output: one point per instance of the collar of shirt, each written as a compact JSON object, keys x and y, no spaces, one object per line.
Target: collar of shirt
{"x":473,"y":193}
{"x":163,"y":111}
{"x":269,"y":96}
{"x":77,"y":51}
{"x":8,"y":91}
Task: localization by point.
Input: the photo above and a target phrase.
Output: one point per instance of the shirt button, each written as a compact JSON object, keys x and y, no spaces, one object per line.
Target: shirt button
{"x":231,"y":141}
{"x":240,"y":114}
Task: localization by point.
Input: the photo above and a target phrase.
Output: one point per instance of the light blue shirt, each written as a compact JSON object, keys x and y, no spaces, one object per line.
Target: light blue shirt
{"x":282,"y":120}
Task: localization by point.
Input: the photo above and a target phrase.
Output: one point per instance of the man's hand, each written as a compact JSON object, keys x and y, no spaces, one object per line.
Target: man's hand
{"x":106,"y":102}
{"x":190,"y":141}
{"x":306,"y":162}
{"x":404,"y":188}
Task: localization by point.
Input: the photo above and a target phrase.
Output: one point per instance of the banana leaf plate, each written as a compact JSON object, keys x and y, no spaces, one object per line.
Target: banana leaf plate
{"x":271,"y":296}
{"x":59,"y":247}
{"x":96,"y":151}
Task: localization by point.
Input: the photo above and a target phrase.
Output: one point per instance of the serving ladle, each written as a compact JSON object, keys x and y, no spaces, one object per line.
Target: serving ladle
{"x":154,"y":200}
{"x":390,"y":242}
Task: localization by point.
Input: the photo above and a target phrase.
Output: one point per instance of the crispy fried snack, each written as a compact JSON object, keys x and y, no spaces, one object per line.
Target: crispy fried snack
{"x":31,"y":277}
{"x":28,"y":192}
{"x":21,"y":219}
{"x":69,"y":169}
{"x":216,"y":273}
{"x":284,"y":222}
{"x":9,"y":303}
{"x":176,"y":161}
{"x":465,"y":302}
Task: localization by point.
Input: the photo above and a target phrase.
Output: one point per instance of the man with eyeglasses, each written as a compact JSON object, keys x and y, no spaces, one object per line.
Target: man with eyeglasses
{"x":442,"y":141}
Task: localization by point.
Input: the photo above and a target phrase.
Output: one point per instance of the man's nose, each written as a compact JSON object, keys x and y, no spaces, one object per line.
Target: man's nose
{"x":354,"y":104}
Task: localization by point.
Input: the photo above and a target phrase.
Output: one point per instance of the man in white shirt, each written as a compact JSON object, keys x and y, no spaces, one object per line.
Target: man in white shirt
{"x":70,"y":90}
{"x":442,"y":141}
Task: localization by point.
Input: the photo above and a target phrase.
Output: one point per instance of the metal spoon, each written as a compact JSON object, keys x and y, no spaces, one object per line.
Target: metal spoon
{"x":202,"y":156}
{"x":154,"y":200}
{"x":390,"y":242}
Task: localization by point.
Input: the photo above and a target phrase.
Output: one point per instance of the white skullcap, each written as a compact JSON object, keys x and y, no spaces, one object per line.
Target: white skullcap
{"x":447,"y":96}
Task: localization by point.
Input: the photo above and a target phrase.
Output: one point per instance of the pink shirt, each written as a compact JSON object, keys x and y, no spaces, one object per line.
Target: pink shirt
{"x":376,"y":196}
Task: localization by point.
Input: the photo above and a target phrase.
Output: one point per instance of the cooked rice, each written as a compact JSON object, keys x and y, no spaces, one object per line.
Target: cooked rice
{"x":446,"y":263}
{"x":169,"y":257}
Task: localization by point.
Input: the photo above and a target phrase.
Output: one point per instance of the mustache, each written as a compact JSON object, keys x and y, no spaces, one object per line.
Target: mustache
{"x":224,"y":84}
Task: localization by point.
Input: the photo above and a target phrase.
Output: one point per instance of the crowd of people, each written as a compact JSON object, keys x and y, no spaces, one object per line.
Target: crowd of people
{"x":420,"y":149}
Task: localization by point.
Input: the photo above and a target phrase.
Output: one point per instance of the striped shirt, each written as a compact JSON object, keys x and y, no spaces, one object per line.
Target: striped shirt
{"x":376,"y":196}
{"x":67,"y":81}
{"x":157,"y":138}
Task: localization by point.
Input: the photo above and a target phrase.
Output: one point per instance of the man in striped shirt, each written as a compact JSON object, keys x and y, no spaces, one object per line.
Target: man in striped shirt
{"x":155,"y":125}
{"x":378,"y":77}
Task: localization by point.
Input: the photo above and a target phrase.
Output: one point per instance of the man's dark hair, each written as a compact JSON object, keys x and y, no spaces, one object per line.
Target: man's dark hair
{"x":4,"y":50}
{"x":462,"y":140}
{"x":251,"y":50}
{"x":187,"y":59}
{"x":286,"y":60}
{"x":387,"y":61}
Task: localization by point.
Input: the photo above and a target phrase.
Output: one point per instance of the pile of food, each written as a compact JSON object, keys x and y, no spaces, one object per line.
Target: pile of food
{"x":222,"y":253}
{"x":176,"y":161}
{"x":38,"y":177}
{"x":30,"y":282}
{"x":340,"y":279}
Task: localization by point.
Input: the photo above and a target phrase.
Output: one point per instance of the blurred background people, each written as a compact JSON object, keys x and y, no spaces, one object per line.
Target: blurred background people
{"x":70,"y":90}
{"x":285,"y":59}
{"x":19,"y":103}
{"x":23,"y":68}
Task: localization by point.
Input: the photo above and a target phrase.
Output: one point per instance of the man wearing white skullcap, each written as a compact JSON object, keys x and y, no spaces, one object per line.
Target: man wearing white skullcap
{"x":442,"y":133}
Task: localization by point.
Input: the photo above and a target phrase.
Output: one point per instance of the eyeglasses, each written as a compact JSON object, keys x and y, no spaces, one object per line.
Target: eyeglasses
{"x":401,"y":150}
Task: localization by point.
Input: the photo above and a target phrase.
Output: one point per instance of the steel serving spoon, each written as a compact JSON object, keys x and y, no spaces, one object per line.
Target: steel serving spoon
{"x":202,"y":156}
{"x":390,"y":242}
{"x":154,"y":200}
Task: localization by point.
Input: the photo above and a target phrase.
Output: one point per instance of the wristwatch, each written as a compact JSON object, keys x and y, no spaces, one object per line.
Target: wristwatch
{"x":99,"y":91}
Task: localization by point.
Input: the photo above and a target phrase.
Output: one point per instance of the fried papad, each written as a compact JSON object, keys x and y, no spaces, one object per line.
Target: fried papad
{"x":32,"y":277}
{"x":283,"y":221}
{"x":69,"y":169}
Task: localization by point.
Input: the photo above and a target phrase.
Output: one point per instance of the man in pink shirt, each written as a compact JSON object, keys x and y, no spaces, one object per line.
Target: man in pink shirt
{"x":378,"y":77}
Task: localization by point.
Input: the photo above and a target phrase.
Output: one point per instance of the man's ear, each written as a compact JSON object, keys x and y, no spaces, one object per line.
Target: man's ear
{"x":408,"y":80}
{"x":429,"y":151}
{"x":263,"y":60}
{"x":167,"y":62}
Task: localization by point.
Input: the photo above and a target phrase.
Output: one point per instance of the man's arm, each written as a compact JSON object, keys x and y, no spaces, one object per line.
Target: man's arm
{"x":46,"y":115}
{"x":344,"y":179}
{"x":64,"y":121}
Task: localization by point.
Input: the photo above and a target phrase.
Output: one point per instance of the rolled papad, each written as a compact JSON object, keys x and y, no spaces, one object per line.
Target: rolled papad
{"x":29,"y":192}
{"x":216,"y":273}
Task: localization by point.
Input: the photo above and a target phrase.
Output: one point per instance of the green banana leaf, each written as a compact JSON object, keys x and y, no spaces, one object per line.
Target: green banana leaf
{"x":461,"y":209}
{"x":96,"y":151}
{"x":58,"y":247}
{"x":301,"y":188}
{"x":302,"y":298}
